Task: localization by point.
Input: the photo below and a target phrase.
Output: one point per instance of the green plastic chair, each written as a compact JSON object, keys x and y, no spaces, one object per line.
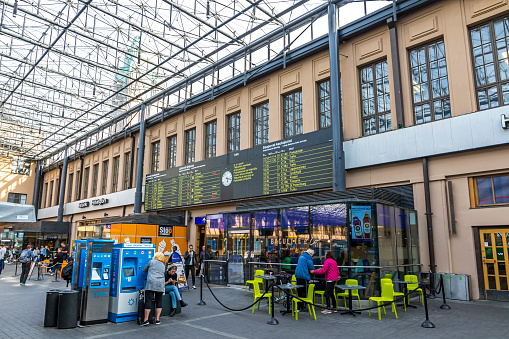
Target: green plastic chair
{"x":310,"y":299}
{"x":252,"y":282}
{"x":414,"y":287}
{"x":355,"y":293}
{"x":396,"y":294}
{"x":257,"y":294}
{"x":388,"y":276}
{"x":387,"y":296}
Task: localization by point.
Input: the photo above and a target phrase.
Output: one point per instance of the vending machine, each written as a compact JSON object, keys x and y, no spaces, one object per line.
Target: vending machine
{"x":80,"y":264}
{"x":128,"y":279}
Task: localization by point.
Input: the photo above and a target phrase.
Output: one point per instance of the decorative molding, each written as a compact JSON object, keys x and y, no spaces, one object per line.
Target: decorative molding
{"x":171,"y":127}
{"x":423,"y":27}
{"x":155,"y":134}
{"x":87,"y":162}
{"x":189,"y":119}
{"x":209,"y":112}
{"x":370,"y":48}
{"x":106,"y":154}
{"x":289,"y":80}
{"x":259,"y":92}
{"x":322,"y":67}
{"x":127,"y":145}
{"x":70,"y":168}
{"x":116,"y":149}
{"x":96,"y":158}
{"x":232,"y":103}
{"x":480,"y":7}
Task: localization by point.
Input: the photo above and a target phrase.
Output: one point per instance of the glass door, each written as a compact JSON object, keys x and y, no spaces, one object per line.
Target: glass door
{"x":494,"y":250}
{"x":239,"y":246}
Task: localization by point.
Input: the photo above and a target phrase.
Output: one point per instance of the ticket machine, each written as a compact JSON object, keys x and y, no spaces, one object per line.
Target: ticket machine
{"x":128,"y":278}
{"x":80,"y":264}
{"x":94,"y":277}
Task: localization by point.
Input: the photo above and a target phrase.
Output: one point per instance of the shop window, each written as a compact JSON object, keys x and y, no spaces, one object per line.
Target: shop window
{"x":265,"y":235}
{"x":104,"y":180}
{"x":491,"y":63}
{"x":330,"y":232}
{"x":95,"y":175}
{"x":233,"y":132}
{"x":127,"y":170}
{"x":430,"y":87}
{"x":216,"y":235}
{"x":114,"y":183}
{"x":295,"y":229}
{"x":86,"y":178}
{"x":375,"y":98}
{"x":493,"y":190}
{"x":172,"y":152}
{"x":261,"y":123}
{"x":292,"y":114}
{"x":156,"y":152}
{"x":210,"y":139}
{"x":17,"y":198}
{"x":69,"y":187}
{"x":239,"y":245}
{"x":190,"y":145}
{"x":362,"y":245}
{"x":324,"y":104}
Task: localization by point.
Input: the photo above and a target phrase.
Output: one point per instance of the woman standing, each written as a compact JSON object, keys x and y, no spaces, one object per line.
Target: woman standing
{"x":331,"y":271}
{"x":155,"y":286}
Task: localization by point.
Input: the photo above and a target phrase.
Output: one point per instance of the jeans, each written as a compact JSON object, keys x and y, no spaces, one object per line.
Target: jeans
{"x":192,"y":269}
{"x":56,"y":267}
{"x":174,"y":294}
{"x":2,"y":265}
{"x":25,"y":269}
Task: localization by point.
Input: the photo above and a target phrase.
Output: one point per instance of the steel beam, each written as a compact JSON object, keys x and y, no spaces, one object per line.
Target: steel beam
{"x":138,"y":197}
{"x":63,"y":184}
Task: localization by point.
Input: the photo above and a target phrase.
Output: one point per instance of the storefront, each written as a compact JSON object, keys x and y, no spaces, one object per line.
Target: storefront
{"x":37,"y":234}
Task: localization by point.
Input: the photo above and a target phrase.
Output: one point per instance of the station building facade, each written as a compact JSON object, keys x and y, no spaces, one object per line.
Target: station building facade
{"x":424,"y":104}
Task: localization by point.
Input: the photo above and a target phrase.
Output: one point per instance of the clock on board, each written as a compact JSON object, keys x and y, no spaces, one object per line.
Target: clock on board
{"x":227,"y":178}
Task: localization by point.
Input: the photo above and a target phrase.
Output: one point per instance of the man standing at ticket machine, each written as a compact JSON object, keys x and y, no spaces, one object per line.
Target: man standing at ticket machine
{"x":190,"y":264}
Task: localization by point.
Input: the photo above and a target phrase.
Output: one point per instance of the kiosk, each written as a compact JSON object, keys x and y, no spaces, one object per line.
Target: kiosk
{"x":128,"y":278}
{"x":80,"y":263}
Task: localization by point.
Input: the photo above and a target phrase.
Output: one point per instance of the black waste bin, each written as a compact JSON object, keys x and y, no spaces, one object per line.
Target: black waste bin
{"x":51,"y":313}
{"x":67,"y":309}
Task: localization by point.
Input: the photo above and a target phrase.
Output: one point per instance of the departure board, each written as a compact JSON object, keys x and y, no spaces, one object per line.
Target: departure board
{"x":300,"y":163}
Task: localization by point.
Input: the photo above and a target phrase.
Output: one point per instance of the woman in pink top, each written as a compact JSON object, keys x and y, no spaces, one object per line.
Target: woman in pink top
{"x":331,"y":271}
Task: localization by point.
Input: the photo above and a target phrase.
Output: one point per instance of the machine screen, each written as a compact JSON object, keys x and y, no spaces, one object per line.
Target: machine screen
{"x":129,"y":272}
{"x":96,"y":274}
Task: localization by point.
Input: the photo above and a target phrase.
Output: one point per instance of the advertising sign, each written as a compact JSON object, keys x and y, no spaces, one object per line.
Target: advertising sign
{"x":361,"y":223}
{"x":165,"y":231}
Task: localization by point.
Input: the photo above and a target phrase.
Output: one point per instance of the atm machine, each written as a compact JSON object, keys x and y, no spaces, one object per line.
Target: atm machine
{"x":128,"y":278}
{"x":92,"y":277}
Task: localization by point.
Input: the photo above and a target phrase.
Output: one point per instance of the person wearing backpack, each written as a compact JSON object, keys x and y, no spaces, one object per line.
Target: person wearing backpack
{"x":3,"y":252}
{"x":25,"y":258}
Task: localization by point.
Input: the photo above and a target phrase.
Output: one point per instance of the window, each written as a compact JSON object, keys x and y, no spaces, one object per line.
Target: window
{"x":44,"y":194}
{"x":492,"y":190}
{"x":57,"y":183}
{"x":104,"y":181}
{"x":172,"y":152}
{"x":114,"y":183}
{"x":20,"y":166}
{"x":127,"y":170}
{"x":491,"y":63}
{"x":233,"y":132}
{"x":69,"y":187}
{"x":292,"y":113}
{"x":324,"y":104}
{"x":261,"y":123}
{"x":50,"y":202}
{"x":190,"y":145}
{"x":95,"y":174}
{"x":156,"y":152}
{"x":210,"y":139}
{"x":17,"y":198}
{"x":375,"y":104}
{"x":430,"y":87}
{"x":86,"y":178}
{"x":78,"y":179}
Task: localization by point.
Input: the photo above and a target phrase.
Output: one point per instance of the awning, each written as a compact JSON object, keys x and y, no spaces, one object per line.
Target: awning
{"x":10,"y":212}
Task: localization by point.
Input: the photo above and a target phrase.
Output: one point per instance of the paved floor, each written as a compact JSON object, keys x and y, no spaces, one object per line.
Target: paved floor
{"x":22,"y":313}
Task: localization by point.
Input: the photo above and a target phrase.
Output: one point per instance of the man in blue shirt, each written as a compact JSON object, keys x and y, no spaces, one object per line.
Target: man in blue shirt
{"x":25,"y":258}
{"x":303,"y":273}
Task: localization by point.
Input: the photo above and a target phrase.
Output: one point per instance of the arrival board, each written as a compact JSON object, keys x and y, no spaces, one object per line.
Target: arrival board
{"x":300,"y":163}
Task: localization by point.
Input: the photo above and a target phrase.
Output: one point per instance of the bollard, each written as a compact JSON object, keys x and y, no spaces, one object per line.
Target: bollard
{"x":427,"y":323}
{"x":272,"y":320}
{"x":444,"y":305}
{"x":201,"y":302}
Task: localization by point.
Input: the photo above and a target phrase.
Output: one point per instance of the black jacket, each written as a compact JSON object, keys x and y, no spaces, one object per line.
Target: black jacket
{"x":187,"y":259}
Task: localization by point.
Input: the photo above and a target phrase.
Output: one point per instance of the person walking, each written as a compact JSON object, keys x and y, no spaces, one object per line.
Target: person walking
{"x":303,"y":273}
{"x":175,"y":256}
{"x":25,"y":258}
{"x":154,"y":286}
{"x":202,"y":260}
{"x":190,"y":264}
{"x":172,"y":289}
{"x":331,"y":271}
{"x":3,"y":252}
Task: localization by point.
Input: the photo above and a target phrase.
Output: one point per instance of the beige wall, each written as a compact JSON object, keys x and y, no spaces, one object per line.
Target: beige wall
{"x":16,"y":183}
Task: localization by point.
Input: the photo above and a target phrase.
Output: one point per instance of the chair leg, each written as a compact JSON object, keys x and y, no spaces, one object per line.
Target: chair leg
{"x":254,"y":307}
{"x":384,"y":309}
{"x":258,"y":308}
{"x":369,"y":306}
{"x":269,"y":305}
{"x":245,"y":290}
{"x":379,"y":313}
{"x":344,"y":302}
{"x":314,"y":314}
{"x":359,"y":298}
{"x":395,"y":312}
{"x":322,"y":304}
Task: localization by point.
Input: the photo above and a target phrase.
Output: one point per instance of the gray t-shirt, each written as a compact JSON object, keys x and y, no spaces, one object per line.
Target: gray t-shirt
{"x":155,"y":276}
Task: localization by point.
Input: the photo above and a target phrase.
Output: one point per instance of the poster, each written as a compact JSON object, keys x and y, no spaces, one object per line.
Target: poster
{"x":361,"y":223}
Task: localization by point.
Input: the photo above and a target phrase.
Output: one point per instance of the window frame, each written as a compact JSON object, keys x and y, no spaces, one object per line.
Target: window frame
{"x":263,"y":130}
{"x":127,"y":171}
{"x":95,"y":179}
{"x":70,"y":185}
{"x":319,"y":106}
{"x":116,"y":168}
{"x":17,"y":196}
{"x":171,"y":145}
{"x":210,"y":139}
{"x":190,"y":146}
{"x":86,"y":182}
{"x":51,"y":186}
{"x":285,"y":120}
{"x":155,"y":156}
{"x":77,"y":186}
{"x":474,"y":191}
{"x":44,"y":195}
{"x":104,"y":179}
{"x":236,"y":131}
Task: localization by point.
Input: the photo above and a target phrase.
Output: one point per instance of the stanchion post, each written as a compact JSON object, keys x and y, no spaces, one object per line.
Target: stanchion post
{"x":427,"y":323}
{"x":432,"y":284}
{"x":444,"y":305}
{"x":56,"y":274}
{"x":16,"y":270}
{"x":272,"y":320}
{"x":201,"y":302}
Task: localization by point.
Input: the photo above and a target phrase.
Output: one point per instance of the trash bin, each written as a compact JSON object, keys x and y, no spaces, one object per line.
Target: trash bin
{"x":51,"y":312}
{"x":67,"y":309}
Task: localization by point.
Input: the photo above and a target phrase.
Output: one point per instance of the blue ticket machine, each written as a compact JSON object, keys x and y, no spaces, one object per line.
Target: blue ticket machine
{"x":128,"y":278}
{"x":96,"y":282}
{"x":80,"y":264}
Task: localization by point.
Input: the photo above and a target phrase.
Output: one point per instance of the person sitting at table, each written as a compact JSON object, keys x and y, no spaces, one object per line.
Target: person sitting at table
{"x":331,"y":271}
{"x":171,"y":288}
{"x":286,"y":260}
{"x":57,"y":261}
{"x":303,"y":273}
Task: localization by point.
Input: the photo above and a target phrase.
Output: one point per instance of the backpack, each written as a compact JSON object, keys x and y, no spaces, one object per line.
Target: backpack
{"x":67,"y":272}
{"x":24,"y":258}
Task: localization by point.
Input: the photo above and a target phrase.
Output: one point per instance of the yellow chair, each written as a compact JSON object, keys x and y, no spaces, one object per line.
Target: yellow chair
{"x":258,"y":294}
{"x":387,"y":296}
{"x":388,"y":276}
{"x":310,"y":299}
{"x":414,"y":287}
{"x":396,"y":294}
{"x":321,"y":294}
{"x":252,"y":282}
{"x":355,"y":293}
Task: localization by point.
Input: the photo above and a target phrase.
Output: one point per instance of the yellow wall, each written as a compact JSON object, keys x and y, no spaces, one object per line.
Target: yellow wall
{"x":16,"y":183}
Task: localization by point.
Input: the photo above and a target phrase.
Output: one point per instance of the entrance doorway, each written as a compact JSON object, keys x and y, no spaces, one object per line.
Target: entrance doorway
{"x":495,"y":261}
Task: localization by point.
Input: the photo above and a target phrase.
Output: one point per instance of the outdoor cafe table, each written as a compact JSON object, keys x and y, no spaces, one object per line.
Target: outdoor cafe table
{"x":405,"y":284}
{"x":267,"y":278}
{"x":288,"y":287}
{"x":350,"y":288}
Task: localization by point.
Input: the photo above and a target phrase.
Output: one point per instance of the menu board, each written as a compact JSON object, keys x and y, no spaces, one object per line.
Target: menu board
{"x":300,"y":163}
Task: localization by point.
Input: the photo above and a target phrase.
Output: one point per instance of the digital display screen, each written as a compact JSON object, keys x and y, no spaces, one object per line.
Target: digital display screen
{"x":129,"y":272}
{"x":300,"y":163}
{"x":96,"y":274}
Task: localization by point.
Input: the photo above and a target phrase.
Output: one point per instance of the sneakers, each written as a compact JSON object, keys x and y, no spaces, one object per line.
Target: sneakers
{"x":194,"y":287}
{"x":158,"y":322}
{"x":326,"y":312}
{"x":22,"y":283}
{"x":145,"y":323}
{"x":172,"y":313}
{"x":183,"y":303}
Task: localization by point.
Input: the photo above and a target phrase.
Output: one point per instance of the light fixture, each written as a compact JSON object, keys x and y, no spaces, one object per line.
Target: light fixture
{"x":105,"y":214}
{"x":83,"y":217}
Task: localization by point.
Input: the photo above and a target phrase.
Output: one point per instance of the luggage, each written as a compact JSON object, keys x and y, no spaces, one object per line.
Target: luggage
{"x":141,"y":309}
{"x":167,"y":305}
